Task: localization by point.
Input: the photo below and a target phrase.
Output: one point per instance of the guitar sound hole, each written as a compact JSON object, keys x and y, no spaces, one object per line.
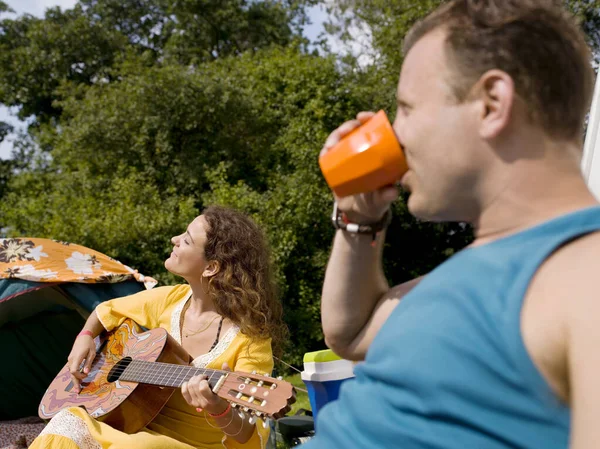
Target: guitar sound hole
{"x":117,"y":370}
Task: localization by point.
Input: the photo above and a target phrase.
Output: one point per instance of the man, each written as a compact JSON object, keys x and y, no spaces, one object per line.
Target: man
{"x":499,"y":346}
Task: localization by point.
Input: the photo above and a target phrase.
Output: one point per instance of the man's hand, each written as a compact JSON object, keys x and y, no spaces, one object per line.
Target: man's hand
{"x":368,"y":207}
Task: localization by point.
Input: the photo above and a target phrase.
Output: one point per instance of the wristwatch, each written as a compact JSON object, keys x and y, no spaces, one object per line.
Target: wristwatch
{"x":340,"y":221}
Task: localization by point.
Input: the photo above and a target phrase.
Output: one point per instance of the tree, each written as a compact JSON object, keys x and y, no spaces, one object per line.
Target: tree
{"x":388,"y":21}
{"x":138,"y":150}
{"x":240,"y":131}
{"x":588,"y":13}
{"x":82,"y":45}
{"x":6,"y":167}
{"x":4,"y":7}
{"x":36,"y":55}
{"x":125,"y":217}
{"x":5,"y":130}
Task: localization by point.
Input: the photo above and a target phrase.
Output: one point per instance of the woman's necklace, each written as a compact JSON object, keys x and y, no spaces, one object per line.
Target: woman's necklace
{"x":194,"y":332}
{"x":218,"y":334}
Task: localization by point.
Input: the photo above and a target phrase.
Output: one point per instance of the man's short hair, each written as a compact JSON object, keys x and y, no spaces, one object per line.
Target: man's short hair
{"x":536,"y":42}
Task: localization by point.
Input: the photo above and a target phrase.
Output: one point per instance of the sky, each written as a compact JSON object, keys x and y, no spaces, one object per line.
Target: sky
{"x":38,"y":7}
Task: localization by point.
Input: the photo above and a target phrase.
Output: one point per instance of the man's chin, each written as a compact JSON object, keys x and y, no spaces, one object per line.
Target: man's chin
{"x":413,"y":206}
{"x":420,"y":211}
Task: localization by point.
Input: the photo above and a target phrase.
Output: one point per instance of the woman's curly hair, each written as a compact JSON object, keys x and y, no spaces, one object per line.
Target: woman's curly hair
{"x":244,"y":289}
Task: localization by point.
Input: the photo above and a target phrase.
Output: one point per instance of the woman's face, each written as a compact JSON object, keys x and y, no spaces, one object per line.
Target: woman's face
{"x":187,"y":259}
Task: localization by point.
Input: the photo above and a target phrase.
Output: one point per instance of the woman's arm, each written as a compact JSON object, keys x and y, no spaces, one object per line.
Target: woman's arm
{"x":145,"y":308}
{"x":84,"y":349}
{"x":93,"y":325}
{"x":197,"y":392}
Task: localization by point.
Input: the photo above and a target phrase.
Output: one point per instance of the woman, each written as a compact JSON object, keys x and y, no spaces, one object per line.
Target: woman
{"x":226,"y":316}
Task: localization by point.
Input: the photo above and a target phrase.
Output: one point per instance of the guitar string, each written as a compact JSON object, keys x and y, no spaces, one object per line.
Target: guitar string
{"x":161,"y":379}
{"x":140,"y":369}
{"x":150,"y":366}
{"x":156,"y":370}
{"x":155,"y":366}
{"x":166,"y":372}
{"x":145,"y":369}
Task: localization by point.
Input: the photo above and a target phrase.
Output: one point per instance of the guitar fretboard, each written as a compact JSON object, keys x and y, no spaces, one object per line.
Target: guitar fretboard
{"x":166,"y":374}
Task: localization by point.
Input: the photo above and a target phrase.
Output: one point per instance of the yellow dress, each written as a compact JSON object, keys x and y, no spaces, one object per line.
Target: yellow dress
{"x":178,"y":426}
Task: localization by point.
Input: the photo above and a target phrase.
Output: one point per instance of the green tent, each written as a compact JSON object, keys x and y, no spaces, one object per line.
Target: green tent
{"x":38,"y":324}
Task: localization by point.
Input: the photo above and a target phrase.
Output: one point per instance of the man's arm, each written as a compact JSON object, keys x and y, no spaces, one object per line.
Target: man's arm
{"x":583,"y":344}
{"x":356,"y":297}
{"x":565,"y":296}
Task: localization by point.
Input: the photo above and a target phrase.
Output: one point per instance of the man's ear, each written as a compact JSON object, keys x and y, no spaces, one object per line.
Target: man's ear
{"x":211,"y":269}
{"x":495,"y":93}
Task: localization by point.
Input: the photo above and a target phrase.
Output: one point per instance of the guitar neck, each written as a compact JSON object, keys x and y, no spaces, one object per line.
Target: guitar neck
{"x":166,"y":374}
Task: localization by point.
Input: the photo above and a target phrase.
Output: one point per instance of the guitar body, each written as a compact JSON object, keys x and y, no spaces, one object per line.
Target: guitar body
{"x":125,"y":406}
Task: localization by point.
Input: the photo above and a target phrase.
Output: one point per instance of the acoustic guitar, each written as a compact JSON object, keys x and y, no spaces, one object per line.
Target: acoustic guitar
{"x":135,"y":372}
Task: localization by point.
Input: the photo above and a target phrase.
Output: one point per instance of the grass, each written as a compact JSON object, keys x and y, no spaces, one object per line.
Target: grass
{"x":301,"y":397}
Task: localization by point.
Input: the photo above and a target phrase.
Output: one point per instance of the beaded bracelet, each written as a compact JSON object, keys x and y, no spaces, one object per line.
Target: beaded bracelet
{"x":222,"y":427}
{"x":223,"y":413}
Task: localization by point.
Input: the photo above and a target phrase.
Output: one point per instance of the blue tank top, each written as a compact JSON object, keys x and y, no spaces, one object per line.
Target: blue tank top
{"x":449,"y":369}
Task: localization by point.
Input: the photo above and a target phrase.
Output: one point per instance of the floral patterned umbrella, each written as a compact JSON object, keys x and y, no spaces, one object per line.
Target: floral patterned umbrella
{"x":45,"y":260}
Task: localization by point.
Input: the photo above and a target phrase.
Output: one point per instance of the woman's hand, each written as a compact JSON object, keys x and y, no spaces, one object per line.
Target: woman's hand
{"x":84,"y":348}
{"x":197,"y":392}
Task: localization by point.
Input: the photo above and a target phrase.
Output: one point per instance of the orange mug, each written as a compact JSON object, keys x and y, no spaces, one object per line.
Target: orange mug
{"x":365,"y":160}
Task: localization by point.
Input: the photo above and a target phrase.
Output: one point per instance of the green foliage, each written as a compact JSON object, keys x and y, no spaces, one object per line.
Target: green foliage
{"x":6,"y":170}
{"x":588,"y":13}
{"x":5,"y":129}
{"x":4,"y":7}
{"x":389,"y":20}
{"x":37,"y":54}
{"x":125,"y":217}
{"x":221,"y":28}
{"x":82,"y":44}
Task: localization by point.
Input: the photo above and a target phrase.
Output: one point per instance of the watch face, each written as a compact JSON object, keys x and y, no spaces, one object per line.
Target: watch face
{"x":336,"y":216}
{"x":340,"y":222}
